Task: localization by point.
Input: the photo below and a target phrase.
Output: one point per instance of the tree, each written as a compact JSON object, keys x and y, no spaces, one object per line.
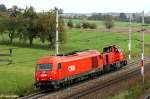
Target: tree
{"x":12,"y":26}
{"x":14,"y":11}
{"x":31,"y":24}
{"x":123,"y":17}
{"x":85,"y":25}
{"x":62,"y":33}
{"x":48,"y":22}
{"x":78,"y":25}
{"x":11,"y":23}
{"x":60,"y":11}
{"x":3,"y":25}
{"x":96,"y":16}
{"x":92,"y":26}
{"x":3,"y":8}
{"x":108,"y":22}
{"x":147,"y":20}
{"x":70,"y":24}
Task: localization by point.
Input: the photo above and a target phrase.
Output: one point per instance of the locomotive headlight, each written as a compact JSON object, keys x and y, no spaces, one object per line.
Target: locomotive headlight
{"x":37,"y":78}
{"x":121,"y":53}
{"x":43,"y":75}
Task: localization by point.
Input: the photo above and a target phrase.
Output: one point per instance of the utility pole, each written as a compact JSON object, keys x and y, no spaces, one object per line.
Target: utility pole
{"x":130,"y":30}
{"x":57,"y":41}
{"x":142,"y":48}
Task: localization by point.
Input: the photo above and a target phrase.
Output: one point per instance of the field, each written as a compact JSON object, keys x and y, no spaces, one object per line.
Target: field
{"x":18,"y":77}
{"x":118,"y":24}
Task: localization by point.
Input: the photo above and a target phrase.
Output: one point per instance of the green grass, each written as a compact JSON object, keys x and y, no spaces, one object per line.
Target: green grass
{"x":82,"y":39}
{"x":18,"y":77}
{"x":133,"y":92}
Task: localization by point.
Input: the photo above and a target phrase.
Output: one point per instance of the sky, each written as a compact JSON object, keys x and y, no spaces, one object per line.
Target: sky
{"x":83,"y":6}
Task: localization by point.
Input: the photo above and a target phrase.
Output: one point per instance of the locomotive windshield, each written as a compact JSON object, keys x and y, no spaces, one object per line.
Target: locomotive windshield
{"x":44,"y":66}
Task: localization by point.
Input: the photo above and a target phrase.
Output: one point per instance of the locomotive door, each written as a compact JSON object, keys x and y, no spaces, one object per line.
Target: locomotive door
{"x":94,"y":62}
{"x":59,"y":70}
{"x":108,"y":50}
{"x":107,"y":58}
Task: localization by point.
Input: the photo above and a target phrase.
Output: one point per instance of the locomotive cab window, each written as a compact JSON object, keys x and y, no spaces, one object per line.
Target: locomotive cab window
{"x":59,"y":66}
{"x":107,"y":49}
{"x":44,"y":66}
{"x":116,"y":50}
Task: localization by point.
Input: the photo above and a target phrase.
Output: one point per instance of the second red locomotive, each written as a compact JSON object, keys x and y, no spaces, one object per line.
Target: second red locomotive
{"x":64,"y":69}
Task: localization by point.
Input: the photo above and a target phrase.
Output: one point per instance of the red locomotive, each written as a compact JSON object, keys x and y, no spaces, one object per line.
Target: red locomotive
{"x":65,"y":69}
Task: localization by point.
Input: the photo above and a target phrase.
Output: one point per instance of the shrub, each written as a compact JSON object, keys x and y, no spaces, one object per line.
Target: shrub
{"x":89,"y":25}
{"x":70,"y":24}
{"x":78,"y":25}
{"x":92,"y":26}
{"x":108,"y":22}
{"x":85,"y":25}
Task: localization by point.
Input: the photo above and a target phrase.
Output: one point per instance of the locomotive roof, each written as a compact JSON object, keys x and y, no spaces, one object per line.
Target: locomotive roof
{"x":76,"y":56}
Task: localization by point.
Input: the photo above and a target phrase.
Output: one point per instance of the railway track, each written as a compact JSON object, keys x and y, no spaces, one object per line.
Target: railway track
{"x":37,"y":95}
{"x":107,"y":84}
{"x":49,"y":93}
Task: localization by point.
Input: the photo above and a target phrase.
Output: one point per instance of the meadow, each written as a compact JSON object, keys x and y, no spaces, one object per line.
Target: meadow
{"x":118,"y":24}
{"x":18,"y":78}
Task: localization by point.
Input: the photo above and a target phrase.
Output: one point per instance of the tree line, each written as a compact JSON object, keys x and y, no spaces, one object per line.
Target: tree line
{"x":26,"y":24}
{"x":136,"y":17}
{"x":84,"y":25}
{"x":100,"y":16}
{"x":108,"y":22}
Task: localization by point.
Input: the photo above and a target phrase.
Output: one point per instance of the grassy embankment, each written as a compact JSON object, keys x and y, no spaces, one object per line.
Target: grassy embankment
{"x":18,"y":77}
{"x":135,"y":90}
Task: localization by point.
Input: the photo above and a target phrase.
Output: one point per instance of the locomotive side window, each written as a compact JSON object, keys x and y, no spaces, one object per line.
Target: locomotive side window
{"x":44,"y":66}
{"x":59,"y":66}
{"x":107,"y":49}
